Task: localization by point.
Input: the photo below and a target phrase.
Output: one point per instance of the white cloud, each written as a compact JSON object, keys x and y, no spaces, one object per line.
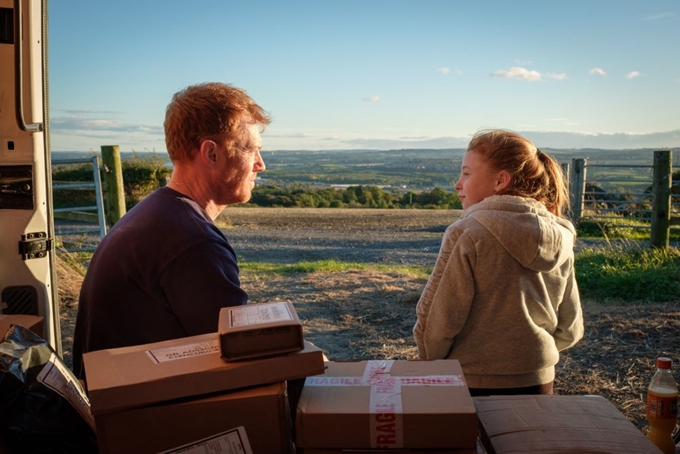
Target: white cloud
{"x":598,"y":71}
{"x":372,"y":98}
{"x":297,"y":135}
{"x":517,"y":73}
{"x":406,"y":142}
{"x":659,"y":16}
{"x":74,"y":124}
{"x":632,"y":75}
{"x":445,"y":70}
{"x":71,"y":133}
{"x":552,"y":139}
{"x":556,"y":76}
{"x":604,"y":140}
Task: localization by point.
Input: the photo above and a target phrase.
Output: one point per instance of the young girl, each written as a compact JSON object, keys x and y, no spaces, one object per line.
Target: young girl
{"x":502,"y":298}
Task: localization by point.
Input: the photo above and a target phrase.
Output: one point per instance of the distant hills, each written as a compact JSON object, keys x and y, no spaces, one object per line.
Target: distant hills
{"x":401,"y":168}
{"x":399,"y":157}
{"x":325,"y":154}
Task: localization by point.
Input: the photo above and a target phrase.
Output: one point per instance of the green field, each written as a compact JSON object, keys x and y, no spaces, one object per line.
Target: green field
{"x":417,"y":169}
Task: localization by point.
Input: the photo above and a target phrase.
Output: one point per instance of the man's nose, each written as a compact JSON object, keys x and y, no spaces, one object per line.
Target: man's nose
{"x":259,"y":163}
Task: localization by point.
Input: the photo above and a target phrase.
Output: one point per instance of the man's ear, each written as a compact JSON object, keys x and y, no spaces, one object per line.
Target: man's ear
{"x":208,"y":151}
{"x":503,"y":181}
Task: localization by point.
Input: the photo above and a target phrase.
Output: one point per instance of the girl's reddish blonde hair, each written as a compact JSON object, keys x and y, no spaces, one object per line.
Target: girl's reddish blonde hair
{"x":534,"y":174}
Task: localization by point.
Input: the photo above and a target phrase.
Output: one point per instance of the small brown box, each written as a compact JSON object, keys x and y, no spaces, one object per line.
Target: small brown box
{"x":512,"y":424}
{"x":259,"y":330}
{"x":34,"y":323}
{"x":130,"y":377}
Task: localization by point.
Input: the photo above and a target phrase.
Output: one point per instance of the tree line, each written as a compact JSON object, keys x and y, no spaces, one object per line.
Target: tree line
{"x":141,"y":175}
{"x":359,"y":196}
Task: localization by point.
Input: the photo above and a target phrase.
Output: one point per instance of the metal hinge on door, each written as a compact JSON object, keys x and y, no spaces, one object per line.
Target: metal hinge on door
{"x":34,"y":245}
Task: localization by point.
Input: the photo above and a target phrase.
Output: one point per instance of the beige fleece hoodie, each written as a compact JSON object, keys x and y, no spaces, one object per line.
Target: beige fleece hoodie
{"x":502,"y":298}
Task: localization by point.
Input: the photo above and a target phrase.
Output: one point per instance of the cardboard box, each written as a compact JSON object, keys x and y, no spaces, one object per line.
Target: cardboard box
{"x":259,"y":330}
{"x":392,"y":451}
{"x":387,"y":404}
{"x":130,"y":377}
{"x":479,"y":449}
{"x":35,"y":323}
{"x":261,"y":412}
{"x":512,"y":424}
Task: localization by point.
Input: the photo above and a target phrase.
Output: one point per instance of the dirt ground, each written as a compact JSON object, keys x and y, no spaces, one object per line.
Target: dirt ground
{"x":359,"y":315}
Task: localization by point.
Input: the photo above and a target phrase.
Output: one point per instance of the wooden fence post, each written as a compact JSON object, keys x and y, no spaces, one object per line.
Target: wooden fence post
{"x":566,"y":175}
{"x":114,"y":199}
{"x":577,"y":187}
{"x":661,"y":199}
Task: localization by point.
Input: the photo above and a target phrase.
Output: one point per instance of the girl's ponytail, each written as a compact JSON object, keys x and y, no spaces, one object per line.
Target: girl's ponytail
{"x":556,"y":192}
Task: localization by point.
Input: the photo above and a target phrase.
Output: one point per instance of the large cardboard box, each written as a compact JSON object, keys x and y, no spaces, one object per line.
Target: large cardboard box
{"x":35,"y":323}
{"x":569,"y":424}
{"x":253,"y":420}
{"x":130,"y":377}
{"x":391,"y":451}
{"x":478,"y":449}
{"x":388,"y":405}
{"x":259,"y":330}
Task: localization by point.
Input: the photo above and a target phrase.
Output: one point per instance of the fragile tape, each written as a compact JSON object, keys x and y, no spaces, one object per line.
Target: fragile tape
{"x":385,"y":403}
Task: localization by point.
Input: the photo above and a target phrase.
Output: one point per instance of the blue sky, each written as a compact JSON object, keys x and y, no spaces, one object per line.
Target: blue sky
{"x":375,"y":74}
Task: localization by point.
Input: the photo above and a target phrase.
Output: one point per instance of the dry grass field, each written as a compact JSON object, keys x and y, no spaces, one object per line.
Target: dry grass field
{"x":354,"y":315}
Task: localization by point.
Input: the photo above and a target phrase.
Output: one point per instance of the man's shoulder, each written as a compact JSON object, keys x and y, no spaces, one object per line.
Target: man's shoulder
{"x":164,"y":206}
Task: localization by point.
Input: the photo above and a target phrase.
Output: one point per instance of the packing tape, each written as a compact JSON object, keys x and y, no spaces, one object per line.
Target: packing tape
{"x":385,"y":407}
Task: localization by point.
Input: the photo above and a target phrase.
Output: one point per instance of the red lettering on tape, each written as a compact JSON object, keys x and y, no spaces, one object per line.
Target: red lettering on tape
{"x":386,"y":441}
{"x":449,"y":380}
{"x":385,"y":417}
{"x":389,"y":428}
{"x":333,"y":381}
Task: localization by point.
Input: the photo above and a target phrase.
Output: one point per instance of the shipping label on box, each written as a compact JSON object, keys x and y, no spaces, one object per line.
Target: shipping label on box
{"x":58,"y":377}
{"x":387,"y":405}
{"x":259,"y":330}
{"x":129,"y":377}
{"x":231,"y":441}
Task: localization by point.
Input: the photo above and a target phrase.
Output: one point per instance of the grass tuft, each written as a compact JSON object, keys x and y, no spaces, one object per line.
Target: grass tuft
{"x":331,"y":266}
{"x":617,"y":228}
{"x":629,"y":274}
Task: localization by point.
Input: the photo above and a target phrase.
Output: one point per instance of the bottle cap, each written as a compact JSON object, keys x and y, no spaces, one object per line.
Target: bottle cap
{"x":663,"y":362}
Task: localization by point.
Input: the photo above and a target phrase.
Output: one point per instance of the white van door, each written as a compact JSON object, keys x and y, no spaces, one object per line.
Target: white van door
{"x":27,"y":265}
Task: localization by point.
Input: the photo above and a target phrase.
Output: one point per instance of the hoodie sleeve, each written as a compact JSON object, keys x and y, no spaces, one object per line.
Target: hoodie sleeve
{"x":445,"y":303}
{"x":425,"y":300}
{"x":570,"y":316}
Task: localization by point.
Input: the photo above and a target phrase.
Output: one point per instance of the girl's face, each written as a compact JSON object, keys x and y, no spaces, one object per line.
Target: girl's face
{"x":477,"y":179}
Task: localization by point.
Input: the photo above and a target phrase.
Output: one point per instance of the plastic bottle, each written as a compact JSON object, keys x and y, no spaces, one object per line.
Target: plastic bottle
{"x":662,"y":406}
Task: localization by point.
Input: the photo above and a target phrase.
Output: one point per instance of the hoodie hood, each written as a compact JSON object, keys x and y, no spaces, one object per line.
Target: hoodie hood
{"x":532,"y":235}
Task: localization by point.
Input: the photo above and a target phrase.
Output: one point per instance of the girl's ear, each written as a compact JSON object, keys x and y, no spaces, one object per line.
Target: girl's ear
{"x":503,"y":181}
